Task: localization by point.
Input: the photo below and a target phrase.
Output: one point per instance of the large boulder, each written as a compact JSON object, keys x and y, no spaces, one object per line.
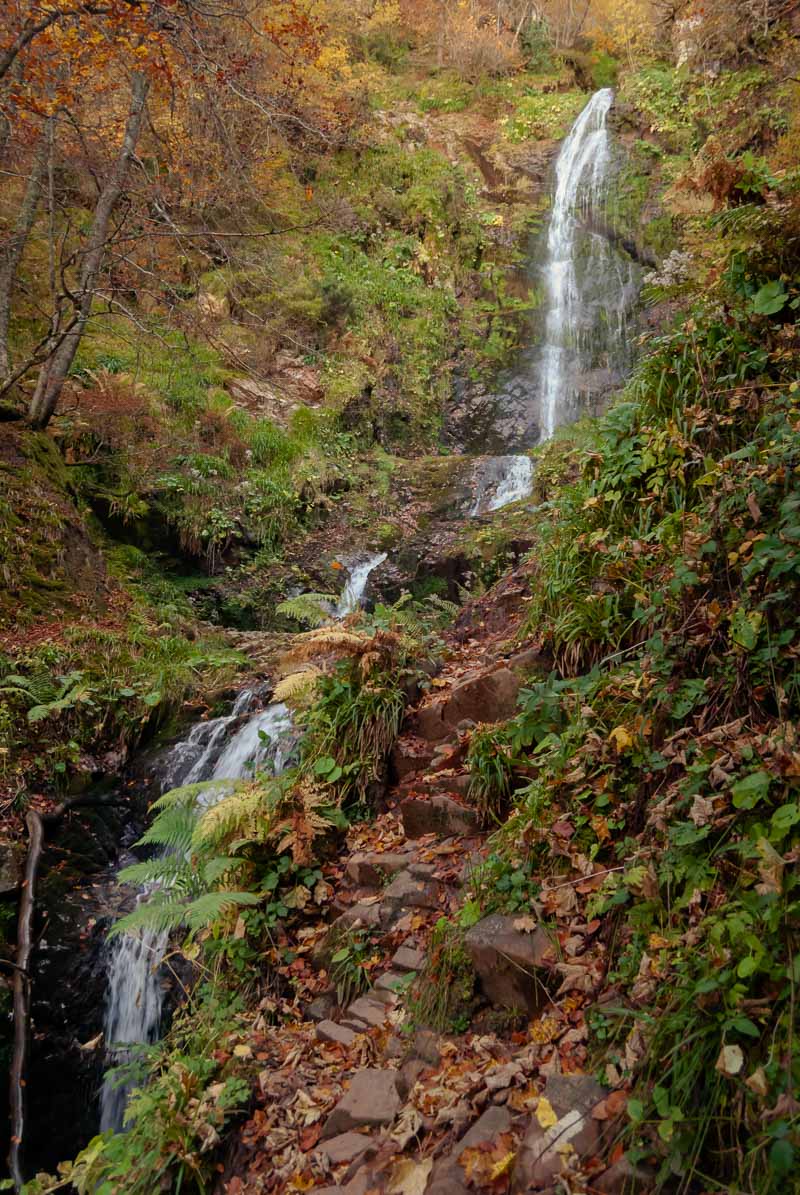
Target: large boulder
{"x":372,"y":1101}
{"x":510,"y":963}
{"x":482,"y":697}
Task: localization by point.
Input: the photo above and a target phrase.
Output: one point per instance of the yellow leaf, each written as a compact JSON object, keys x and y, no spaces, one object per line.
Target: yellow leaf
{"x":545,"y":1114}
{"x":656,"y":942}
{"x":620,"y":738}
{"x":501,"y":1167}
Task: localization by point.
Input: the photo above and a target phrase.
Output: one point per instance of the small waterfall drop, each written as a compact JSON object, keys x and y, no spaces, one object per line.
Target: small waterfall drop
{"x":502,"y":480}
{"x":208,"y":752}
{"x":353,"y":592}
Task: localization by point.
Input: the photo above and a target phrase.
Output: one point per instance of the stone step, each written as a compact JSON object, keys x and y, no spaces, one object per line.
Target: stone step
{"x":437,"y":815}
{"x":365,"y":1012}
{"x":371,"y":1101}
{"x":346,"y":1147}
{"x":331,"y":1031}
{"x":408,"y":958}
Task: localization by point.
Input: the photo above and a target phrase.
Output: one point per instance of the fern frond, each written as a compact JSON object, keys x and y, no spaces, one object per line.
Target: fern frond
{"x":315,"y":609}
{"x":221,"y":866}
{"x":164,"y":871}
{"x":296,"y":686}
{"x":212,"y":905}
{"x":451,"y":609}
{"x":154,"y":916}
{"x":189,"y":795}
{"x":172,"y":829}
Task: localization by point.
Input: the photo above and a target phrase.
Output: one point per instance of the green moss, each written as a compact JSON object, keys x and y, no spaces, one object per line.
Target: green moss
{"x":541,"y":116}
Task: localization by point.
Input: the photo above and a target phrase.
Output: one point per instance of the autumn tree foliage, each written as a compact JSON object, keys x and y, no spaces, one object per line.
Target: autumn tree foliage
{"x":136,"y":138}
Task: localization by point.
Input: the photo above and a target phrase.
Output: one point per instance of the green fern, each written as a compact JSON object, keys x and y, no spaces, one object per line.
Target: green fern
{"x":313,"y":609}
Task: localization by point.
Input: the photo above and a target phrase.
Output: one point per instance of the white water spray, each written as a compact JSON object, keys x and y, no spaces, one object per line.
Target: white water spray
{"x":135,"y":994}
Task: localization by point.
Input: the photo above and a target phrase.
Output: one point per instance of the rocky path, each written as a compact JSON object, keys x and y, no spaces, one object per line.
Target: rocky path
{"x":362,"y":1096}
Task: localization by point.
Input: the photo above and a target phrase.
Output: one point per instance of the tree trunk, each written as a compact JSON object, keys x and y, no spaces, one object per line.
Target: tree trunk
{"x":15,"y":246}
{"x":22,"y":998}
{"x":55,"y":370}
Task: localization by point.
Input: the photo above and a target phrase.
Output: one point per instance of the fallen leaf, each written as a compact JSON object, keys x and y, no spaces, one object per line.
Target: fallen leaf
{"x":730,"y":1061}
{"x":525,"y":925}
{"x":770,"y":869}
{"x":621,"y":739}
{"x":702,"y":810}
{"x":757,"y":1082}
{"x":410,"y":1177}
{"x":545,"y":1114}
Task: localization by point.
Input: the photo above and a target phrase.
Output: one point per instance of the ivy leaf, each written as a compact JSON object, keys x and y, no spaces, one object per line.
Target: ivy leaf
{"x":770,"y":299}
{"x":748,"y":792}
{"x":781,"y":1157}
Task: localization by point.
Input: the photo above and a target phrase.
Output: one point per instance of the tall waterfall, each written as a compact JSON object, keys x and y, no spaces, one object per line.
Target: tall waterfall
{"x":224,"y":748}
{"x":589,"y":289}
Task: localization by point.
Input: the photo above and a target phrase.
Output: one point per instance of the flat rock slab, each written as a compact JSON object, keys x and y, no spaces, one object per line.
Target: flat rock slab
{"x":389,"y":980}
{"x":373,"y":1100}
{"x":411,"y":892}
{"x":539,"y":1159}
{"x":406,"y":958}
{"x":510,"y":963}
{"x":345,"y":1148}
{"x":369,"y":870}
{"x":447,"y":1174}
{"x":437,"y":815}
{"x":330,"y":1031}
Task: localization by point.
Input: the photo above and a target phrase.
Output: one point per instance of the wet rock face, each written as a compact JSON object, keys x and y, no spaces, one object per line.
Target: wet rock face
{"x":499,"y":420}
{"x":74,"y":911}
{"x":78,"y":898}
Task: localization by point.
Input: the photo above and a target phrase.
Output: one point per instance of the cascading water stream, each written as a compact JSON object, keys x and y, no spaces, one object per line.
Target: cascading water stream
{"x":589,"y":290}
{"x":208,"y":752}
{"x":354,"y":590}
